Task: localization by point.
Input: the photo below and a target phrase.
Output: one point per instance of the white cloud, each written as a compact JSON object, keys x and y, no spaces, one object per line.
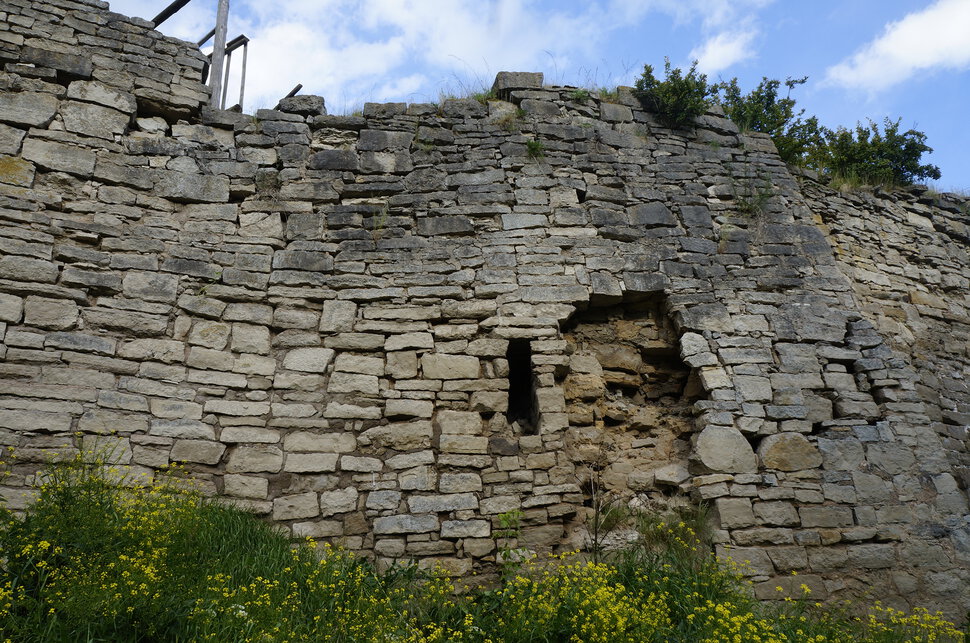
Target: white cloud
{"x":351,"y":51}
{"x":723,"y":50}
{"x":935,"y":38}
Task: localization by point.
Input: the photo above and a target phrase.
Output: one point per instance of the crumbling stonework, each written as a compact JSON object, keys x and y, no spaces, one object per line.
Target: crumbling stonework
{"x":388,"y":330}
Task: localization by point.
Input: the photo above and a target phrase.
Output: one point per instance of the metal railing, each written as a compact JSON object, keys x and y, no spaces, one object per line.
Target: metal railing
{"x":220,"y":60}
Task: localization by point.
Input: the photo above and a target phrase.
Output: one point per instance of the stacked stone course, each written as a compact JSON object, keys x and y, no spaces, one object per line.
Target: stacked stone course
{"x":320,"y":317}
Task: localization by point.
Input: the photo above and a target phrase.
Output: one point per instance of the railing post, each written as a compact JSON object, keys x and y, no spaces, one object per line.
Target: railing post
{"x":219,"y":53}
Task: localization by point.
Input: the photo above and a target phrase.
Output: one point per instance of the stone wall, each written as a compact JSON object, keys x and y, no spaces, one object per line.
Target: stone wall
{"x":387,"y":330}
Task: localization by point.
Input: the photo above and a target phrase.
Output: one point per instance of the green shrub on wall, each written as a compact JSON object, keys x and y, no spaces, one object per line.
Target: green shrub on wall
{"x":677,"y":99}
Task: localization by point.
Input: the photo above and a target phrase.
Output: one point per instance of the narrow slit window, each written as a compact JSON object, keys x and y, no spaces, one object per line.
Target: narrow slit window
{"x":522,"y":406}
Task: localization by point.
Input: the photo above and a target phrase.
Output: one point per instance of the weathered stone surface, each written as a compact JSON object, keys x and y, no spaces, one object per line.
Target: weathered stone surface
{"x":201,"y":451}
{"x":308,"y":360}
{"x":53,"y":314}
{"x":59,"y":157}
{"x":406,"y":524}
{"x":724,"y":449}
{"x":339,"y":501}
{"x":789,"y":452}
{"x":300,"y":505}
{"x":337,"y":319}
{"x":450,"y":367}
{"x":93,"y":120}
{"x":33,"y":109}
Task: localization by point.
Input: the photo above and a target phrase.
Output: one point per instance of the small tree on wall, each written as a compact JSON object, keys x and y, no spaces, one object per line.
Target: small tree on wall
{"x":677,"y":99}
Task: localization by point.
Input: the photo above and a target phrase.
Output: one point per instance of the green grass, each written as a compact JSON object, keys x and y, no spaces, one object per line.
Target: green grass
{"x":97,"y":558}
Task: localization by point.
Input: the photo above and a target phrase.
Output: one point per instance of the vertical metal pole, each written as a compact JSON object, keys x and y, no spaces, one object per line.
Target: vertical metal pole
{"x":242,"y":81}
{"x":225,"y":81}
{"x":219,"y":52}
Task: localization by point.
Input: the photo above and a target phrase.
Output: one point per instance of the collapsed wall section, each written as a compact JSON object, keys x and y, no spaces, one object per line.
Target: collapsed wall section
{"x":391,"y":329}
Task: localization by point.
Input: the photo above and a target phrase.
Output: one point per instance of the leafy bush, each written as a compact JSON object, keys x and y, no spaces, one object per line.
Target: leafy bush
{"x":679,"y":98}
{"x":762,"y":110}
{"x":872,"y":157}
{"x":100,"y":559}
{"x":864,"y":155}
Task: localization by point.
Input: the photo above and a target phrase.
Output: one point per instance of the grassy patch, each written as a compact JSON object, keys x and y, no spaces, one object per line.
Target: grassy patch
{"x":97,"y":558}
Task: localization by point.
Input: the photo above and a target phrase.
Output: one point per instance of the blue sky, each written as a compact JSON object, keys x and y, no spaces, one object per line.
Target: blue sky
{"x":906,"y":59}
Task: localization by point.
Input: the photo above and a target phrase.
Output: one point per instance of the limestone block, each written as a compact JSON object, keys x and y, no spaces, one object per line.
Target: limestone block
{"x":408,"y":460}
{"x":405,"y":524}
{"x":124,"y":401}
{"x":383,"y":500}
{"x":724,"y":449}
{"x":421,"y":478}
{"x":232,"y":407}
{"x":93,"y":120}
{"x":210,"y":334}
{"x":182,"y":428}
{"x":826,"y":517}
{"x":247,"y":338}
{"x":459,"y":422}
{"x":442,"y":503}
{"x":54,"y":314}
{"x":310,"y":462}
{"x":401,"y":436}
{"x":245,"y":486}
{"x":254,"y":365}
{"x":450,"y":367}
{"x":402,"y":365}
{"x":403,"y":408}
{"x":459,"y":482}
{"x":337,"y":316}
{"x":34,"y":109}
{"x":465,"y":529}
{"x":404,"y":341}
{"x":309,"y":441}
{"x":871,"y":489}
{"x":776,"y":512}
{"x":150,"y":456}
{"x":184,"y":187}
{"x":251,"y":313}
{"x":337,"y":410}
{"x":150,"y":286}
{"x":841,"y":455}
{"x":201,"y":451}
{"x":255,"y":459}
{"x":300,"y":505}
{"x":872,"y":556}
{"x":308,"y":360}
{"x":168,"y":351}
{"x":318,"y":529}
{"x":463,"y":444}
{"x":489,"y":402}
{"x":364,"y":465}
{"x":338,"y":501}
{"x":16,"y":171}
{"x":734,"y":513}
{"x":30,"y":420}
{"x":59,"y":157}
{"x":355,"y":341}
{"x":95,"y":92}
{"x":789,"y":452}
{"x":671,"y":475}
{"x":353,"y":383}
{"x":11,"y":308}
{"x":295,"y":318}
{"x":752,"y":388}
{"x":350,"y":363}
{"x":249,"y":434}
{"x":207,"y":358}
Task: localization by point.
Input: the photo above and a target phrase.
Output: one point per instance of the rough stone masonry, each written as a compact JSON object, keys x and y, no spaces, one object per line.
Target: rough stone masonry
{"x":388,"y":330}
